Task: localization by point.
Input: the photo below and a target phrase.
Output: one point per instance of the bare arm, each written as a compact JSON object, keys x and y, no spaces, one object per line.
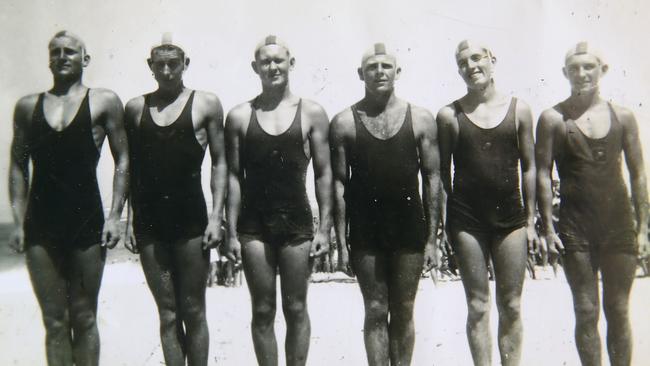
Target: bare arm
{"x":19,"y":168}
{"x":340,"y":171}
{"x":319,"y":147}
{"x":218,"y":175}
{"x":527,"y":158}
{"x":447,"y":127}
{"x":638,"y":182}
{"x":233,"y":137}
{"x":132,"y":113}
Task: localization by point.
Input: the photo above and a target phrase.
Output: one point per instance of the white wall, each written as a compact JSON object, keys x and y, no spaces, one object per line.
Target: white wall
{"x":327,"y":37}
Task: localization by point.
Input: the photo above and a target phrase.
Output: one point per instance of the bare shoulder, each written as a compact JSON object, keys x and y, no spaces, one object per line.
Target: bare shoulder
{"x":625,"y":116}
{"x":313,"y":109}
{"x":343,"y":123}
{"x":421,"y":114}
{"x":134,"y":107}
{"x":523,"y":107}
{"x":239,"y":115}
{"x":551,"y":118}
{"x":206,"y":99}
{"x":103,"y":98}
{"x":446,"y":116}
{"x":25,"y":109}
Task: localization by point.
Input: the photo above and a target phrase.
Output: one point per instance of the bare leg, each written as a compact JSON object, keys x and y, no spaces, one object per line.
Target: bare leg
{"x":260,"y":262}
{"x":404,"y":277}
{"x":618,"y":270}
{"x":509,"y":257}
{"x":472,"y":257}
{"x":191,"y":265}
{"x":295,"y":269}
{"x":85,"y":270}
{"x":582,"y":276}
{"x":157,"y":263}
{"x":45,"y":267}
{"x":370,"y":268}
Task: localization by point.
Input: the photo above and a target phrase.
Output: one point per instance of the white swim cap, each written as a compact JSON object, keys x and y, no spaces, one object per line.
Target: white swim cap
{"x":465,"y":44}
{"x":271,"y":40}
{"x":582,"y":48}
{"x":376,"y":50}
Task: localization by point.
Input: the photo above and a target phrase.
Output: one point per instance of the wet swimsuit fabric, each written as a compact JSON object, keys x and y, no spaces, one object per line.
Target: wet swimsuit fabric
{"x":274,"y":204}
{"x":168,"y":201}
{"x":383,"y":202}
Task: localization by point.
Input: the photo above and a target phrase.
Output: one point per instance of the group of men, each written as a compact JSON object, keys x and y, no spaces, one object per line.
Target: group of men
{"x":367,"y":163}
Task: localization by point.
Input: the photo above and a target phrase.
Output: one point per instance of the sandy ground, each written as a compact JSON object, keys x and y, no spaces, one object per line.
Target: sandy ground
{"x":129,"y":328}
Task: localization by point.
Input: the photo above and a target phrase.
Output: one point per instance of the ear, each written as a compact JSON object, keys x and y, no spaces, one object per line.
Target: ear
{"x":604,"y":69}
{"x":150,"y":63}
{"x":86,"y":60}
{"x":254,"y":66}
{"x":565,"y":72}
{"x":493,"y":59}
{"x":398,"y":72}
{"x":360,"y":72}
{"x":187,"y":63}
{"x":292,"y":63}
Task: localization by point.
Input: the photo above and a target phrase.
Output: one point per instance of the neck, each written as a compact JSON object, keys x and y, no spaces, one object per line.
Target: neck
{"x":170,"y":93}
{"x":271,"y":97}
{"x":66,"y":86}
{"x":378,"y":101}
{"x":584,"y":100}
{"x":483,"y":94}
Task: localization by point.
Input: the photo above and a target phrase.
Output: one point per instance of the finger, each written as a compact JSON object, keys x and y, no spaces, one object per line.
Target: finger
{"x":104,"y":238}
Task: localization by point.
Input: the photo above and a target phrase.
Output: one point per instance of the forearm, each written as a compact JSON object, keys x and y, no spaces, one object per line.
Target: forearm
{"x":545,"y":196}
{"x":18,"y":189}
{"x":218,"y":186}
{"x":340,"y":218}
{"x":233,"y":204}
{"x":324,"y":199}
{"x":120,"y":188}
{"x":431,"y":191}
{"x":529,"y":197}
{"x":640,"y":201}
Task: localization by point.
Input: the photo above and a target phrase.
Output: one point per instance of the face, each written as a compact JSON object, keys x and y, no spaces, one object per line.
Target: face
{"x":67,"y":57}
{"x":379,"y":73}
{"x":584,"y":72}
{"x":272,"y":64}
{"x":168,"y":66}
{"x":475,"y":66}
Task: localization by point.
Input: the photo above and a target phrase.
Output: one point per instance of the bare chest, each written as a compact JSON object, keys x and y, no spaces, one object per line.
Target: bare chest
{"x":385,"y":125}
{"x":60,"y":111}
{"x":594,"y":123}
{"x":277,"y":121}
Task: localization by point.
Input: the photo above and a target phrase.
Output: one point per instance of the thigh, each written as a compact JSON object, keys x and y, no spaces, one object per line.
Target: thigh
{"x":405,"y":269}
{"x":371,"y":269}
{"x":191,"y":267}
{"x":260,"y":261}
{"x":85,"y":271}
{"x":46,"y":270}
{"x":472,"y":256}
{"x":157,"y":264}
{"x":295,"y":268}
{"x":618,"y":272}
{"x":582,"y":275}
{"x":509,"y":254}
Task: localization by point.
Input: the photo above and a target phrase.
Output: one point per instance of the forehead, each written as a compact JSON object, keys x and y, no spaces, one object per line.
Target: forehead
{"x":65,"y":42}
{"x":582,"y":58}
{"x":165,"y":54}
{"x":272,"y":50}
{"x":380,"y":59}
{"x":471,"y":51}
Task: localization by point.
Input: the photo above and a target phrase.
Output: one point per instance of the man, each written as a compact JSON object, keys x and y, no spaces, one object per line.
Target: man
{"x":489,"y":136}
{"x":270,"y":140}
{"x":59,"y":216}
{"x":379,"y":145}
{"x":169,"y":131}
{"x":584,"y":136}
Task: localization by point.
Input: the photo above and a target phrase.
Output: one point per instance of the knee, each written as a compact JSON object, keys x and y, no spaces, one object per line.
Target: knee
{"x":376,"y":311}
{"x":83,"y":320}
{"x":294,"y":310}
{"x":586,"y":313}
{"x":616,"y":310}
{"x":509,"y":308}
{"x":263,"y":313}
{"x":478,"y":309}
{"x":401,"y":311}
{"x":192,"y":311}
{"x":168,"y":319}
{"x":56,"y":323}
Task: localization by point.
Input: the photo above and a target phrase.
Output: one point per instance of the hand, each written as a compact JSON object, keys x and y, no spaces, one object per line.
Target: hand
{"x":111,"y":233}
{"x":129,"y":239}
{"x":432,"y":256}
{"x":532,"y":239}
{"x":319,"y":246}
{"x":344,"y":262}
{"x":554,"y":246}
{"x":17,"y":239}
{"x":214,"y":234}
{"x":644,"y":245}
{"x":233,"y":251}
